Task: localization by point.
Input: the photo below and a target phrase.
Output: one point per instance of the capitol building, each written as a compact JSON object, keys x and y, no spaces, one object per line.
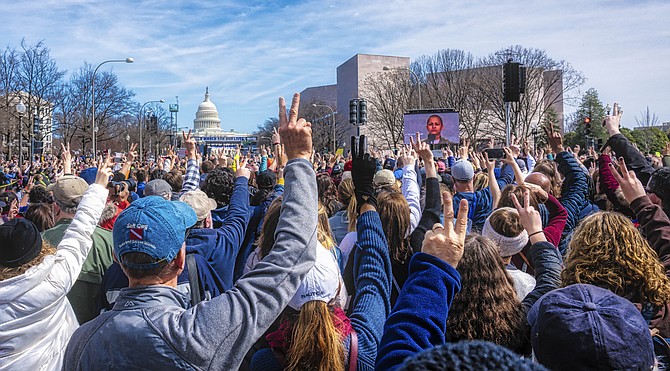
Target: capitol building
{"x":208,"y":133}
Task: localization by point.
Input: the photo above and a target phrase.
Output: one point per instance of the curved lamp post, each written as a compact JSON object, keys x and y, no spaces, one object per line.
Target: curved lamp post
{"x":418,"y":83}
{"x":93,"y":127}
{"x":142,"y":123}
{"x":21,"y":110}
{"x":332,"y":113}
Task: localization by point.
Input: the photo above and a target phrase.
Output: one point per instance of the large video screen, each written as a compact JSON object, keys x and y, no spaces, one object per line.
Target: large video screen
{"x":435,"y":127}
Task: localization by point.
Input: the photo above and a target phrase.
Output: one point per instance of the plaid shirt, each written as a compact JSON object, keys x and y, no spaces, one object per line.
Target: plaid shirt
{"x":192,"y":176}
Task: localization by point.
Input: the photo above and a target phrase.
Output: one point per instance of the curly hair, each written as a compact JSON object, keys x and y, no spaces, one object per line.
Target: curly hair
{"x":548,"y":168}
{"x":394,"y":214}
{"x":487,"y":307}
{"x":39,"y":195}
{"x":328,"y":193}
{"x":219,"y":185}
{"x":607,"y":251}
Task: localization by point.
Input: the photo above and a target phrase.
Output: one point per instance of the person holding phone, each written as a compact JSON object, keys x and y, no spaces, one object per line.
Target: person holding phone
{"x":434,"y":126}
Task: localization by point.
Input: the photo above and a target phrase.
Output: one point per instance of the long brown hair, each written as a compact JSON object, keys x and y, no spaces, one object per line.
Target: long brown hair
{"x":394,"y":213}
{"x":267,"y":237}
{"x":607,"y":250}
{"x":487,"y":307}
{"x":315,"y":343}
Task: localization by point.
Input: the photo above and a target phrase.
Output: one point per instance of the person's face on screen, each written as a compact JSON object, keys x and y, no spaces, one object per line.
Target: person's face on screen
{"x":434,"y":125}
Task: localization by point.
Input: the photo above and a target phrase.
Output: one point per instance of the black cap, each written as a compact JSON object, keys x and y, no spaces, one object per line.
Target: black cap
{"x":266,"y":179}
{"x":20,"y":242}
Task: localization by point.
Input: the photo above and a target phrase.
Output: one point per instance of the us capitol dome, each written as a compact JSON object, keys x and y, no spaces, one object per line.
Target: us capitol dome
{"x":207,"y":129}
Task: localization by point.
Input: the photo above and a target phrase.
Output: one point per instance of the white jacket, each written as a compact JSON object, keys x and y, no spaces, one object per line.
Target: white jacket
{"x":36,"y":319}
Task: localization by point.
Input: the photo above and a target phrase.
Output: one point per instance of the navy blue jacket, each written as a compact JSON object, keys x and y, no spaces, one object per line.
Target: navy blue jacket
{"x":220,"y":246}
{"x":574,"y":195}
{"x":419,"y":318}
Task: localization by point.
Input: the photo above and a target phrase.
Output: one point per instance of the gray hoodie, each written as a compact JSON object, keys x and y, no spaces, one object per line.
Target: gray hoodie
{"x":151,"y":327}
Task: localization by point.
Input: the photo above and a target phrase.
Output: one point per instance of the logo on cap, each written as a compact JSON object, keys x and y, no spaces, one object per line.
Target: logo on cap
{"x":136,"y":234}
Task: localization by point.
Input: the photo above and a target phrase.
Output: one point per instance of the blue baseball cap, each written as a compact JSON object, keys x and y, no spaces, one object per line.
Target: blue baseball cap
{"x":89,"y":174}
{"x":154,"y":226}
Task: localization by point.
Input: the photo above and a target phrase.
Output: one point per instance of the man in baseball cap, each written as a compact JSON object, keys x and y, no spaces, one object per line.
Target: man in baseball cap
{"x":67,"y":193}
{"x":480,"y":202}
{"x":152,"y":324}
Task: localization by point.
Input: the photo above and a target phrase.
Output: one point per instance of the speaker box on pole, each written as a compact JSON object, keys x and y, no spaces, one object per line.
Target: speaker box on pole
{"x":511,"y":91}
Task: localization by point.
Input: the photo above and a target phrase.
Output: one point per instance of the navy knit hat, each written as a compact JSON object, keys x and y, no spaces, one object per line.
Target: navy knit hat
{"x":469,"y":355}
{"x":587,"y":327}
{"x":20,"y":242}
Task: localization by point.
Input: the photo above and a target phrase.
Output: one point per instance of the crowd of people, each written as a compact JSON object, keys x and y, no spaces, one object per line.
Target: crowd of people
{"x":286,"y":259}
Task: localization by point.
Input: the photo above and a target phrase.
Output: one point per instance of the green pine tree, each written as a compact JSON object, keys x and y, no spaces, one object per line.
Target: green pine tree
{"x":590,"y":107}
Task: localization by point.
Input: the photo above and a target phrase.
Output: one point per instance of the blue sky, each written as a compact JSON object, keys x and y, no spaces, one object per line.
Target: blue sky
{"x":251,"y":52}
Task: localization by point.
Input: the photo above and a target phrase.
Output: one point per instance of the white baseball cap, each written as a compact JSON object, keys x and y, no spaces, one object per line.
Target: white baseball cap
{"x":321,"y":282}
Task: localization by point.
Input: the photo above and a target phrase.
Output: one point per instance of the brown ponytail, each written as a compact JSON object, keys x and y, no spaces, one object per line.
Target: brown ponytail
{"x":315,"y":342}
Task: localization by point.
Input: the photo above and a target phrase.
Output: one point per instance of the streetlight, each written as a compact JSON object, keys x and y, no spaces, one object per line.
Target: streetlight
{"x":142,"y":122}
{"x":332,"y":113}
{"x":418,"y":83}
{"x":21,"y":109}
{"x":93,"y":127}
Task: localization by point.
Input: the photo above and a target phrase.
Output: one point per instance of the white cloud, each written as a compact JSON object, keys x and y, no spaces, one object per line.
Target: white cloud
{"x":251,"y":52}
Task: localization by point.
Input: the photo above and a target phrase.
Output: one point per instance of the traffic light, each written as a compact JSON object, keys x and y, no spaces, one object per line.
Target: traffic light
{"x":587,"y":125}
{"x":358,"y":112}
{"x":353,"y":111}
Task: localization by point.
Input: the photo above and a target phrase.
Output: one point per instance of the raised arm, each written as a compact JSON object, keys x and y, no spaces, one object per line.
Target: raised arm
{"x":418,"y":320}
{"x":372,"y":265}
{"x":248,"y":307}
{"x":76,"y":242}
{"x":493,"y":184}
{"x":433,"y":209}
{"x":410,"y":188}
{"x":635,"y":161}
{"x":191,"y":180}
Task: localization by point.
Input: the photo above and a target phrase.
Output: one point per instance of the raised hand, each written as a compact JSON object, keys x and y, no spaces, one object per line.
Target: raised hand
{"x":422,"y":149}
{"x":530,"y":218}
{"x":241,"y":168}
{"x":613,"y":122}
{"x":296,"y":134}
{"x":276,"y":138}
{"x":190,"y":144}
{"x":363,"y":168}
{"x":407,"y":156}
{"x":66,"y":155}
{"x":555,"y":139}
{"x":447,"y":242}
{"x":631,"y":187}
{"x":104,"y":171}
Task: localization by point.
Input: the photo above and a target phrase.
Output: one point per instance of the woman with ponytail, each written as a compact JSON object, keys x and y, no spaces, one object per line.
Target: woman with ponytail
{"x":314,"y":333}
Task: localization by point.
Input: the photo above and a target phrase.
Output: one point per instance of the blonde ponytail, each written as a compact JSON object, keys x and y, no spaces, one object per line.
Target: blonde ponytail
{"x":315,"y":342}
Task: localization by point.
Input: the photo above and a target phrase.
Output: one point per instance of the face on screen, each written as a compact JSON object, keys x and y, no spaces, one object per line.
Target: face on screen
{"x":434,"y":125}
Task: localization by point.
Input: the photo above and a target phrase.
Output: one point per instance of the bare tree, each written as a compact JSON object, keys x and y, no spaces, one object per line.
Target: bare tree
{"x":452,"y":80}
{"x":647,"y":118}
{"x":548,"y":83}
{"x":388,"y":95}
{"x":113,"y":102}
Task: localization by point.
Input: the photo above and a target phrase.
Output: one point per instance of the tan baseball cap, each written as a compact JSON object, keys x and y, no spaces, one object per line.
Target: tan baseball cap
{"x":69,"y":189}
{"x":201,"y":204}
